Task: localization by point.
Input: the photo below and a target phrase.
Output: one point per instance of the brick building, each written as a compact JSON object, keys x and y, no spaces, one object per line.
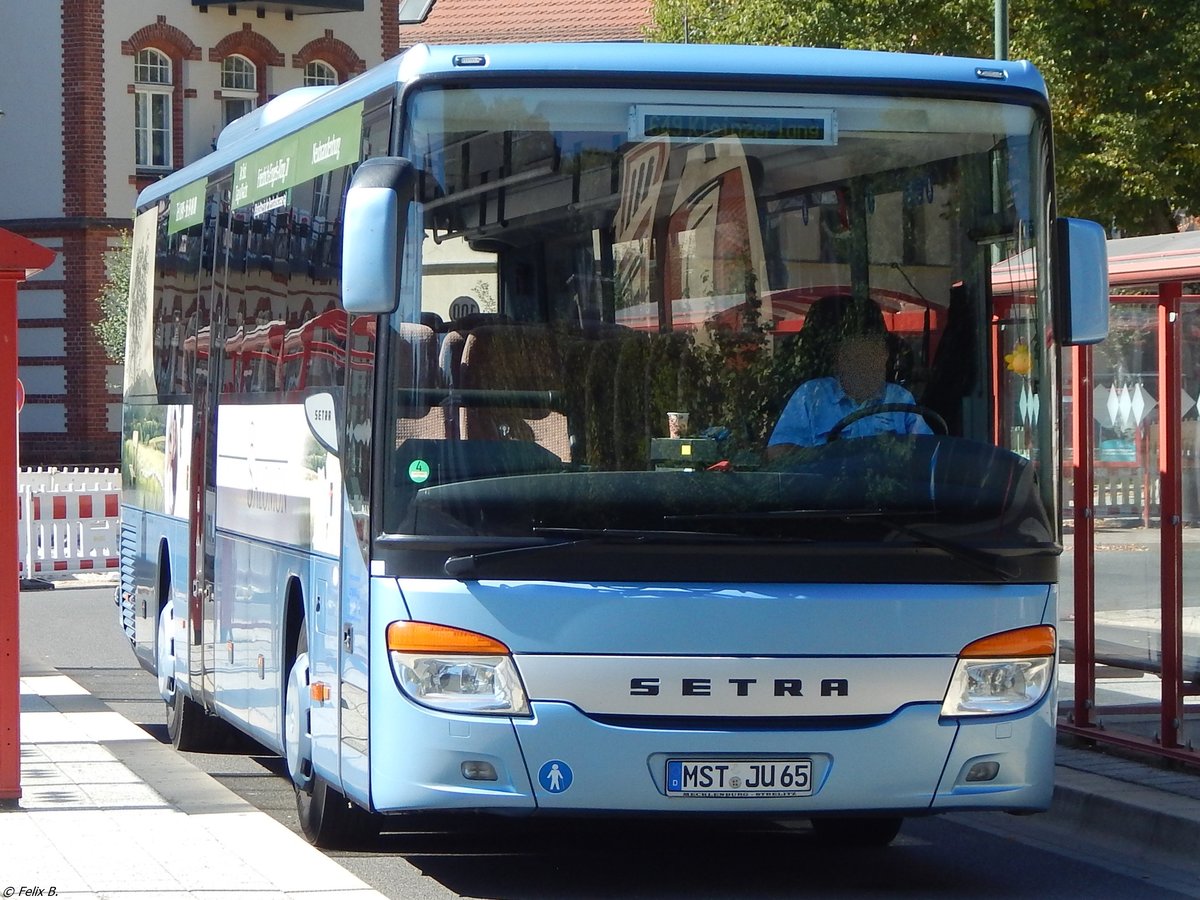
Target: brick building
{"x":105,"y":96}
{"x":101,"y":98}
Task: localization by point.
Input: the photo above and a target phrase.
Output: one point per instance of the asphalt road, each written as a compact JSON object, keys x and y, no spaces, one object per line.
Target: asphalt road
{"x":975,"y":856}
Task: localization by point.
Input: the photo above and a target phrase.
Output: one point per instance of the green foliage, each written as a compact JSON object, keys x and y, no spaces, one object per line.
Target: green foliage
{"x":738,"y":384}
{"x":917,"y":26}
{"x":1124,"y":95}
{"x":1119,"y":75}
{"x":114,"y":300}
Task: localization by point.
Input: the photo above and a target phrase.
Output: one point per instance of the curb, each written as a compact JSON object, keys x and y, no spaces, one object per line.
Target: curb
{"x":68,"y":581}
{"x":1134,"y":813}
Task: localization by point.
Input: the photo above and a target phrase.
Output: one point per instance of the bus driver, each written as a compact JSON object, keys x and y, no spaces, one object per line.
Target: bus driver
{"x":858,"y":381}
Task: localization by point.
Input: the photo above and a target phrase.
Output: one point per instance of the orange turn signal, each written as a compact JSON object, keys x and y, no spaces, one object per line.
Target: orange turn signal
{"x":318,"y":691}
{"x":1036,"y":640}
{"x":425,"y":637}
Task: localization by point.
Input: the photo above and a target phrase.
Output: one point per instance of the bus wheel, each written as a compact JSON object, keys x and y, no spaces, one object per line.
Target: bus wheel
{"x":327,"y":818}
{"x":297,"y":734}
{"x":189,"y":725}
{"x":858,"y":832}
{"x":164,"y":653}
{"x":184,"y":716}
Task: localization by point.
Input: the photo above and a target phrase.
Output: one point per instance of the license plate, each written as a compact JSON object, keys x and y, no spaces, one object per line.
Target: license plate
{"x":739,"y":777}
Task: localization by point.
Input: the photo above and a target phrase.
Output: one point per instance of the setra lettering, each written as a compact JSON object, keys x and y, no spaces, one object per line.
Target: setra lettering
{"x":740,"y":687}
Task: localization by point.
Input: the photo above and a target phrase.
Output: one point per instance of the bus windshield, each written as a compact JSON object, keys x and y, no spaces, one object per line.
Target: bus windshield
{"x":626,"y":317}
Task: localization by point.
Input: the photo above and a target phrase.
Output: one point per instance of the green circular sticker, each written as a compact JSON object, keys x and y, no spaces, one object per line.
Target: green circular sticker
{"x":418,"y":471}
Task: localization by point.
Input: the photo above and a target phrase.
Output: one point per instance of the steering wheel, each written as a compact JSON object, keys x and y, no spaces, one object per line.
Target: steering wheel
{"x":930,"y":416}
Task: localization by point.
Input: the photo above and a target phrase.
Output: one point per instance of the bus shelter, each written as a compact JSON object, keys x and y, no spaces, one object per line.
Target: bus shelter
{"x":1131,"y":637}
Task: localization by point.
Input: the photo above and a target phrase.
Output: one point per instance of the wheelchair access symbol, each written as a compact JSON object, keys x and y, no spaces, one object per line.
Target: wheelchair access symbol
{"x":555,"y":776}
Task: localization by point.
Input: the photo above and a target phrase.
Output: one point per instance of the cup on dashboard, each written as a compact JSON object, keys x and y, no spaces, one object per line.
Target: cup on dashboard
{"x":677,"y":424}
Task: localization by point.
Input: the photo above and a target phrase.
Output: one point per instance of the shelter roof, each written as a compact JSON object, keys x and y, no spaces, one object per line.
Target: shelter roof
{"x":18,"y":254}
{"x":1154,"y":258}
{"x":1148,"y":260}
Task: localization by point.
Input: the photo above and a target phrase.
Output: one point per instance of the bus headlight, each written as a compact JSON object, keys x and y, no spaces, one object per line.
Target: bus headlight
{"x":1003,"y":673}
{"x":454,"y":670}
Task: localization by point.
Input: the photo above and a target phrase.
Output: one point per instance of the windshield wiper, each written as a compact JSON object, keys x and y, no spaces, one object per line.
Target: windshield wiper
{"x":992,"y":563}
{"x":465,"y":566}
{"x":638,"y":535}
{"x":989,"y":562}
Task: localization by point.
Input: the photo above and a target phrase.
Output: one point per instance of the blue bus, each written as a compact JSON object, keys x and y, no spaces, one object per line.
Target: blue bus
{"x":467,"y":462}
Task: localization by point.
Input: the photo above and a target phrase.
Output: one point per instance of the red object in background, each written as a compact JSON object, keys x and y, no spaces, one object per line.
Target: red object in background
{"x":19,"y":260}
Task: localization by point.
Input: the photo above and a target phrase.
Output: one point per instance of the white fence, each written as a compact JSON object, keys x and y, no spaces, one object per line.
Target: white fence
{"x":69,"y":520}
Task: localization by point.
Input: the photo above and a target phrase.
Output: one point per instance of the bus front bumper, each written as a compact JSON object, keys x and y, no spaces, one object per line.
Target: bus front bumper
{"x":561,"y":760}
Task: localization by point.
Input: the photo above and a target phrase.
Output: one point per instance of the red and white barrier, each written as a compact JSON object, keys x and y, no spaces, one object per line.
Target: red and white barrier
{"x":70,"y":521}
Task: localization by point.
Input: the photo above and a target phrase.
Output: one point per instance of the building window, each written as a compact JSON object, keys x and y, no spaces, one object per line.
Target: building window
{"x":318,"y":73}
{"x":239,"y":86}
{"x":152,"y":110}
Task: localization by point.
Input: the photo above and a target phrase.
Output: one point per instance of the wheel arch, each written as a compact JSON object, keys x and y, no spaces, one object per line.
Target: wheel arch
{"x":294,"y":619}
{"x":163,"y":592}
{"x":164,"y":588}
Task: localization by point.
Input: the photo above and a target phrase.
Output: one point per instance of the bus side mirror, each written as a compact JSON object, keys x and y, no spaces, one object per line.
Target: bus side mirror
{"x":1082,"y":282}
{"x":374,"y":220}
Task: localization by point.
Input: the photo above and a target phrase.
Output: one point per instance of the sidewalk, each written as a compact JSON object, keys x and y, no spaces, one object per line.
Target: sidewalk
{"x":89,"y":823}
{"x":1126,"y":536}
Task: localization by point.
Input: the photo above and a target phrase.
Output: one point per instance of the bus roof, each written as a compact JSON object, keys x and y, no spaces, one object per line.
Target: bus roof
{"x":294,"y":110}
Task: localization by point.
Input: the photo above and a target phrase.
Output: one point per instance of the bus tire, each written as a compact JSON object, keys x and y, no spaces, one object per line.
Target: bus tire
{"x":326,"y":817}
{"x":297,"y":734}
{"x":164,"y":653}
{"x":851,"y":831}
{"x":184,"y":715}
{"x":190,"y":727}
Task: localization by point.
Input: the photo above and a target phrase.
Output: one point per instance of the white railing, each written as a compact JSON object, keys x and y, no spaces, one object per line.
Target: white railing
{"x":69,"y":520}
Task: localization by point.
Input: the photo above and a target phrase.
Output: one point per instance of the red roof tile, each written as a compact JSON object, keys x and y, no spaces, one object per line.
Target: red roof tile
{"x":516,"y":21}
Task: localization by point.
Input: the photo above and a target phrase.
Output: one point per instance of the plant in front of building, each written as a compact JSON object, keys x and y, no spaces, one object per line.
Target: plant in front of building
{"x":114,"y":299}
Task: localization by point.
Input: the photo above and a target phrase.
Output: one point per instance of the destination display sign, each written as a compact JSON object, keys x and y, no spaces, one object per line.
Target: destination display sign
{"x":322,"y":147}
{"x":187,"y":206}
{"x":268,"y":173}
{"x":759,"y":125}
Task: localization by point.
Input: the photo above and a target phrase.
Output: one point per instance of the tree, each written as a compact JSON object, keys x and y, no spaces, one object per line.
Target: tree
{"x":114,"y":300}
{"x":916,"y":26}
{"x":1124,"y":96}
{"x":1118,"y":73}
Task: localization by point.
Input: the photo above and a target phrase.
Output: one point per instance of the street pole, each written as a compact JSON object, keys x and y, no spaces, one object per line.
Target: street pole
{"x":1001,"y":30}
